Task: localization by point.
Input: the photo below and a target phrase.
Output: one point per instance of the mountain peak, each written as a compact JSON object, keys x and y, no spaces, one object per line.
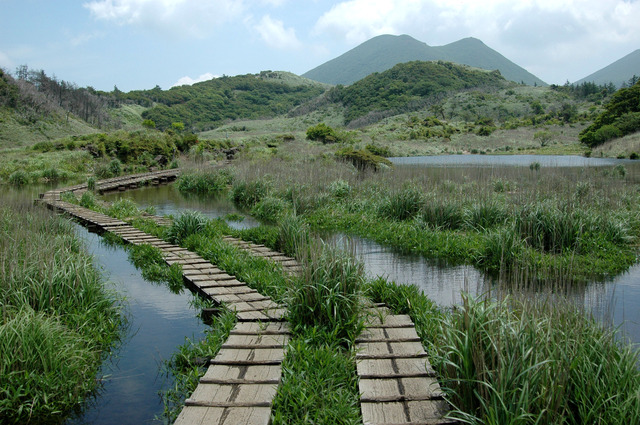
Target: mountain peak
{"x":618,"y":72}
{"x":384,"y":51}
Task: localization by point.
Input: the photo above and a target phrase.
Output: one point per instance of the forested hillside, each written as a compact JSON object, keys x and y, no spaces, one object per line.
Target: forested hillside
{"x":409,"y":86}
{"x":620,"y":117}
{"x":206,"y":105}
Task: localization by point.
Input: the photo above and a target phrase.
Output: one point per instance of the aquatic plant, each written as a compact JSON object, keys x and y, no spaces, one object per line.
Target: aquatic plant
{"x":187,"y":224}
{"x":58,"y":319}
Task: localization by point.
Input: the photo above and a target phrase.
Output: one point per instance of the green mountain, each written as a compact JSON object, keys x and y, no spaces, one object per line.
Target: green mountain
{"x":206,"y":105}
{"x":384,"y":51}
{"x":619,"y":72}
{"x":409,"y":86}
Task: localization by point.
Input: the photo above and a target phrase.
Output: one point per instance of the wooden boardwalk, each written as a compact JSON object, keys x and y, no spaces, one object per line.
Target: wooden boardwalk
{"x":242,"y":379}
{"x":396,"y":381}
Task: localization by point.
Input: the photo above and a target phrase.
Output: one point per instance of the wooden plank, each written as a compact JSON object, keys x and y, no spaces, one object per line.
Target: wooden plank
{"x":383,"y":413}
{"x":394,"y":367}
{"x":249,"y":356}
{"x":222,"y":395}
{"x":401,"y":349}
{"x":388,"y":334}
{"x":256,"y":340}
{"x":247,"y":372}
{"x":403,"y":389}
{"x":266,"y":328}
{"x":388,"y":321}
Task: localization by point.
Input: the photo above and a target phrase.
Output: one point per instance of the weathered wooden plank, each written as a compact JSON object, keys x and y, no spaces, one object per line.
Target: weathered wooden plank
{"x":388,"y":321}
{"x":403,"y":389}
{"x":394,"y":367}
{"x":249,"y":356}
{"x":278,"y":340}
{"x":267,"y":373}
{"x":265,"y":328}
{"x":388,"y":334}
{"x":248,"y":395}
{"x":383,"y":413}
{"x":398,"y":348}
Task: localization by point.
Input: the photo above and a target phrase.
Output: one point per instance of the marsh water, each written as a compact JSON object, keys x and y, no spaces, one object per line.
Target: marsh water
{"x":616,"y":300}
{"x":160,"y":320}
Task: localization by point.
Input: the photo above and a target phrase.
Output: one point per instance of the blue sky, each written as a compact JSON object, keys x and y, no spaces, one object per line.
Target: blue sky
{"x":137,"y":44}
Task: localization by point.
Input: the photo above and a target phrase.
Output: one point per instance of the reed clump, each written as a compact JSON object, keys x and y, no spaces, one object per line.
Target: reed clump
{"x":186,"y":224}
{"x":327,"y":294}
{"x":515,"y":361}
{"x":203,"y":182}
{"x":58,"y":320}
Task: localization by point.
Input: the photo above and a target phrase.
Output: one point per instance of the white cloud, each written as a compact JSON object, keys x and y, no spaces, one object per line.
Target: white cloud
{"x":187,"y":81}
{"x":276,"y":35}
{"x":194,"y":18}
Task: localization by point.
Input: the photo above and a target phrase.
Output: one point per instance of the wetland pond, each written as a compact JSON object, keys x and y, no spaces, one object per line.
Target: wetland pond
{"x":159,"y":321}
{"x":616,"y":301}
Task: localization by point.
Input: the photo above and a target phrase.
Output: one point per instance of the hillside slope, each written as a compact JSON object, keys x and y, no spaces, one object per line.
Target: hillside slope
{"x":410,"y":86}
{"x":206,"y":105}
{"x":619,"y":72}
{"x":383,"y":52}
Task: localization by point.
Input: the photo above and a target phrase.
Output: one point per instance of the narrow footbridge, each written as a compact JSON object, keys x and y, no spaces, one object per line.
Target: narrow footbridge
{"x":396,"y":381}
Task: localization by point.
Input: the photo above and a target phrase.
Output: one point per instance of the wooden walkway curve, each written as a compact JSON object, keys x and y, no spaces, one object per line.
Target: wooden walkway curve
{"x":396,"y":381}
{"x":242,"y":379}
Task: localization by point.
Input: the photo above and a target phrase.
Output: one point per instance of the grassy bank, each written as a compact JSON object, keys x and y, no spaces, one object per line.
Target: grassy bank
{"x":550,"y":224}
{"x":58,"y":320}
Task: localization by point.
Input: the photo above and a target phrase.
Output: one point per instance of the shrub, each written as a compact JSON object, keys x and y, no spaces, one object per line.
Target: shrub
{"x":19,"y":178}
{"x":88,"y":200}
{"x":293,"y":236}
{"x":512,"y":361}
{"x":205,"y":182}
{"x":323,"y":133}
{"x":327,"y":294}
{"x":115,"y":167}
{"x":339,"y":188}
{"x":378,"y":150}
{"x":269,"y":209}
{"x":187,"y":224}
{"x":485,"y":215}
{"x":247,"y":194}
{"x":362,"y":159}
{"x":402,"y":205}
{"x":442,"y":215}
{"x":91,"y":183}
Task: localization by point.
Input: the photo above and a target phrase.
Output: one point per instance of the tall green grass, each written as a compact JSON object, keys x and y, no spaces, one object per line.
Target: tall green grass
{"x":528,"y":362}
{"x":319,"y":384}
{"x":205,"y":182}
{"x":327,"y":294}
{"x":58,"y":319}
{"x":186,"y":224}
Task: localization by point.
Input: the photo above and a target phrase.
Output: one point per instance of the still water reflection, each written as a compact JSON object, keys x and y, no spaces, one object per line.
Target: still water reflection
{"x":167,"y":200}
{"x":159,"y":321}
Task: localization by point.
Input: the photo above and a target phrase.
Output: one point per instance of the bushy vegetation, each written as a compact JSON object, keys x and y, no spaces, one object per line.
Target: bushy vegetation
{"x":409,"y":86}
{"x":536,"y":220}
{"x":206,"y":105}
{"x":205,"y":182}
{"x":58,"y":318}
{"x":620,"y":117}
